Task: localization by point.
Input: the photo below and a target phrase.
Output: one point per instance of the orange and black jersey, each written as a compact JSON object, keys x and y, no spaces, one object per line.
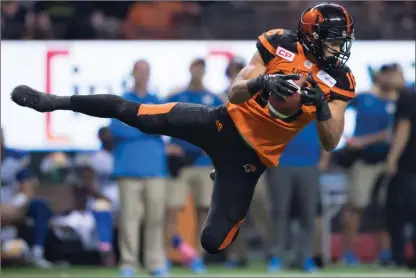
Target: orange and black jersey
{"x":282,"y":53}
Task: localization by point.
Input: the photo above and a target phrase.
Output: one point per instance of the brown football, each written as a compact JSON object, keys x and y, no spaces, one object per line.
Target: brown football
{"x":285,"y":108}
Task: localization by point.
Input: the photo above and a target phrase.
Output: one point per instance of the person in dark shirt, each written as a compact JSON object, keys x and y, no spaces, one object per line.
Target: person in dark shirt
{"x":401,"y":167}
{"x":369,"y":147}
{"x":71,"y":19}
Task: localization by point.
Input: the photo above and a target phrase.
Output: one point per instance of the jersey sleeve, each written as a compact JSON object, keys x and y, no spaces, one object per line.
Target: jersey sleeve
{"x":345,"y":86}
{"x":268,"y":42}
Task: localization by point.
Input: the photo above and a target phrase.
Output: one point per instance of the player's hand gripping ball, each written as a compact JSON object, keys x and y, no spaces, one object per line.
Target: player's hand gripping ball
{"x":285,"y":107}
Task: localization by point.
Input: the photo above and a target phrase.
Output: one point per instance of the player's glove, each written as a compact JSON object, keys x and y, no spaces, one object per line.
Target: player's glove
{"x":315,"y":96}
{"x":276,"y":84}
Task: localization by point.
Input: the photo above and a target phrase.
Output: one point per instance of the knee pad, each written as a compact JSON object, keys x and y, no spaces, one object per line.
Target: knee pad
{"x":214,"y":240}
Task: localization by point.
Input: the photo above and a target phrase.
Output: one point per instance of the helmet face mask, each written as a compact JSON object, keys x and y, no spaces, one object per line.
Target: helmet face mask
{"x":337,"y":56}
{"x":326,"y":32}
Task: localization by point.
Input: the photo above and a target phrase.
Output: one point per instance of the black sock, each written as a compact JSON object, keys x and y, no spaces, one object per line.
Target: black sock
{"x":104,"y":106}
{"x":62,"y":103}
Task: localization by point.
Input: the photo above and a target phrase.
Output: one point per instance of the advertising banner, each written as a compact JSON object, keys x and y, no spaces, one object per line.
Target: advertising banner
{"x":93,"y":67}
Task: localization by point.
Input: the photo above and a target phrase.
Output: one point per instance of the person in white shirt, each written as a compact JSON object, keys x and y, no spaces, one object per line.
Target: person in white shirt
{"x":103,"y":194}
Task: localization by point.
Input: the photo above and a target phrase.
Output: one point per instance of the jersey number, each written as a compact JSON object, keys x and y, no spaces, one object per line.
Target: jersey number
{"x":275,"y":32}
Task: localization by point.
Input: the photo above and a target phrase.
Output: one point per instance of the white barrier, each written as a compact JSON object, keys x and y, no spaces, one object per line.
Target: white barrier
{"x":67,"y":68}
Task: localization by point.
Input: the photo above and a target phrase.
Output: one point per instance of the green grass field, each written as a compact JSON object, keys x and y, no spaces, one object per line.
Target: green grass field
{"x":255,"y":270}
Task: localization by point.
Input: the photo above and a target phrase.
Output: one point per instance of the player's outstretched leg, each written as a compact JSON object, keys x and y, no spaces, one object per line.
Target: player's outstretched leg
{"x":185,"y":121}
{"x":102,"y":106}
{"x":230,"y":201}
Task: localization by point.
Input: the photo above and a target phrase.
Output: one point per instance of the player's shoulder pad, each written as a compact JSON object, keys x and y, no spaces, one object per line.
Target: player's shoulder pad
{"x":268,"y":42}
{"x":344,"y":88}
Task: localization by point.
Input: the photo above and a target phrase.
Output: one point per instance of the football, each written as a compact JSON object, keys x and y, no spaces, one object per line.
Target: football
{"x":285,"y":108}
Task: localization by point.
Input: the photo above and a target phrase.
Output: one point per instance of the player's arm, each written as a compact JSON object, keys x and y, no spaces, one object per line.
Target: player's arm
{"x":243,"y":87}
{"x":252,"y":78}
{"x":330,"y":130}
{"x":330,"y":115}
{"x":324,"y":161}
{"x":401,"y":134}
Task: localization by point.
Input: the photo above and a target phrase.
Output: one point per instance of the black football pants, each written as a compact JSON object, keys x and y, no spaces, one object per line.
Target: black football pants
{"x":237,"y":165}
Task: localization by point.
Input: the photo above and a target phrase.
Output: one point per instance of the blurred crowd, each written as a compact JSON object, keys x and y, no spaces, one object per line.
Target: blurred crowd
{"x":188,"y":20}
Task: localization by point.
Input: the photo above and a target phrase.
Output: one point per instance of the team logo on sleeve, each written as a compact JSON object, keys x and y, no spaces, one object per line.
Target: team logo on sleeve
{"x":285,"y":54}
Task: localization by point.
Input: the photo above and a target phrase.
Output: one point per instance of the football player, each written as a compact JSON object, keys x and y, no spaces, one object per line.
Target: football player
{"x":240,"y":137}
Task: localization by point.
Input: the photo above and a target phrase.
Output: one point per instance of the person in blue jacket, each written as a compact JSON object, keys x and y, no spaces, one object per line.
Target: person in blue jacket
{"x":140,"y":167}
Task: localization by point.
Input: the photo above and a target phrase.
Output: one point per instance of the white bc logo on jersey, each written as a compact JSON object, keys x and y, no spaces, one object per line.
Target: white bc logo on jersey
{"x":285,"y":54}
{"x":326,"y":78}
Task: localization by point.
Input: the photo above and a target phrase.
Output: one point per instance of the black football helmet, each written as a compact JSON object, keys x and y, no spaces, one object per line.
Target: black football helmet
{"x":321,"y":24}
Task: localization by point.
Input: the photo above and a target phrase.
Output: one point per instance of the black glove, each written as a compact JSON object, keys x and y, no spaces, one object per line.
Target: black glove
{"x":315,"y":96}
{"x":276,"y":84}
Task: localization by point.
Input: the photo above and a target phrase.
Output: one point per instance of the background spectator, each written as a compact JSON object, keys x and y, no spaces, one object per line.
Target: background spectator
{"x":297,"y":175}
{"x":103,"y":193}
{"x":368,"y":149}
{"x":401,"y":207}
{"x":140,"y":167}
{"x":193,"y":176}
{"x":181,"y":19}
{"x":18,"y":202}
